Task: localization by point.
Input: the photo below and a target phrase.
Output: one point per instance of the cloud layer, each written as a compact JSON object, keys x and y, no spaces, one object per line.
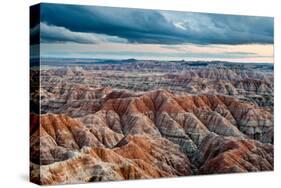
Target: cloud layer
{"x":61,"y":34}
{"x":89,"y":24}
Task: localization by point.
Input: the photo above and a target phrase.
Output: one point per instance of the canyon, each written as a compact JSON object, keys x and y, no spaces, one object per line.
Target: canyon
{"x":107,"y":120}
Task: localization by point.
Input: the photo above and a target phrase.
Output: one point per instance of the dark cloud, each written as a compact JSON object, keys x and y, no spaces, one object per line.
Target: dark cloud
{"x":56,"y":34}
{"x":155,"y":27}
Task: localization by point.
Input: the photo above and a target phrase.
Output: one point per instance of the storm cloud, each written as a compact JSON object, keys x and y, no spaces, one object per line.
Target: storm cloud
{"x":151,"y":26}
{"x":60,"y":34}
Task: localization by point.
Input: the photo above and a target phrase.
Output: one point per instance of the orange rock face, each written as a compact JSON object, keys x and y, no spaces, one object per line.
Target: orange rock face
{"x":121,"y":135}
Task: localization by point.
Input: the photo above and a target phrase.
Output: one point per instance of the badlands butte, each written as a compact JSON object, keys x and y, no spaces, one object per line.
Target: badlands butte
{"x":105,"y":120}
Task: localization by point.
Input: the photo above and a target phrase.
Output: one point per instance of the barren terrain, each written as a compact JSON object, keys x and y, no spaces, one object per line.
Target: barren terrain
{"x":104,"y":120}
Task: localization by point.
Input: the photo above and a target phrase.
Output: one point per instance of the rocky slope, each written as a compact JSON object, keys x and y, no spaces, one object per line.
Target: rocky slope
{"x":252,"y":83}
{"x":115,"y":135}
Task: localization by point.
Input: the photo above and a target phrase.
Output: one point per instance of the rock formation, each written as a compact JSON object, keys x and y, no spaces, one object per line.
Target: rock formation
{"x":150,"y":135}
{"x":138,"y":119}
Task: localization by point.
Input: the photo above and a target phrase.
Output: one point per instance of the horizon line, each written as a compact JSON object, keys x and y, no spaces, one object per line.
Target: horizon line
{"x":137,"y":59}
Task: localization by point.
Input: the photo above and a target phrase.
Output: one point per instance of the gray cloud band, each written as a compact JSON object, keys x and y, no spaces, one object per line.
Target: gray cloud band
{"x":83,"y":24}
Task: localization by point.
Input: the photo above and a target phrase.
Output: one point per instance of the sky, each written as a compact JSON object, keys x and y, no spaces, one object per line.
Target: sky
{"x":74,"y":31}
